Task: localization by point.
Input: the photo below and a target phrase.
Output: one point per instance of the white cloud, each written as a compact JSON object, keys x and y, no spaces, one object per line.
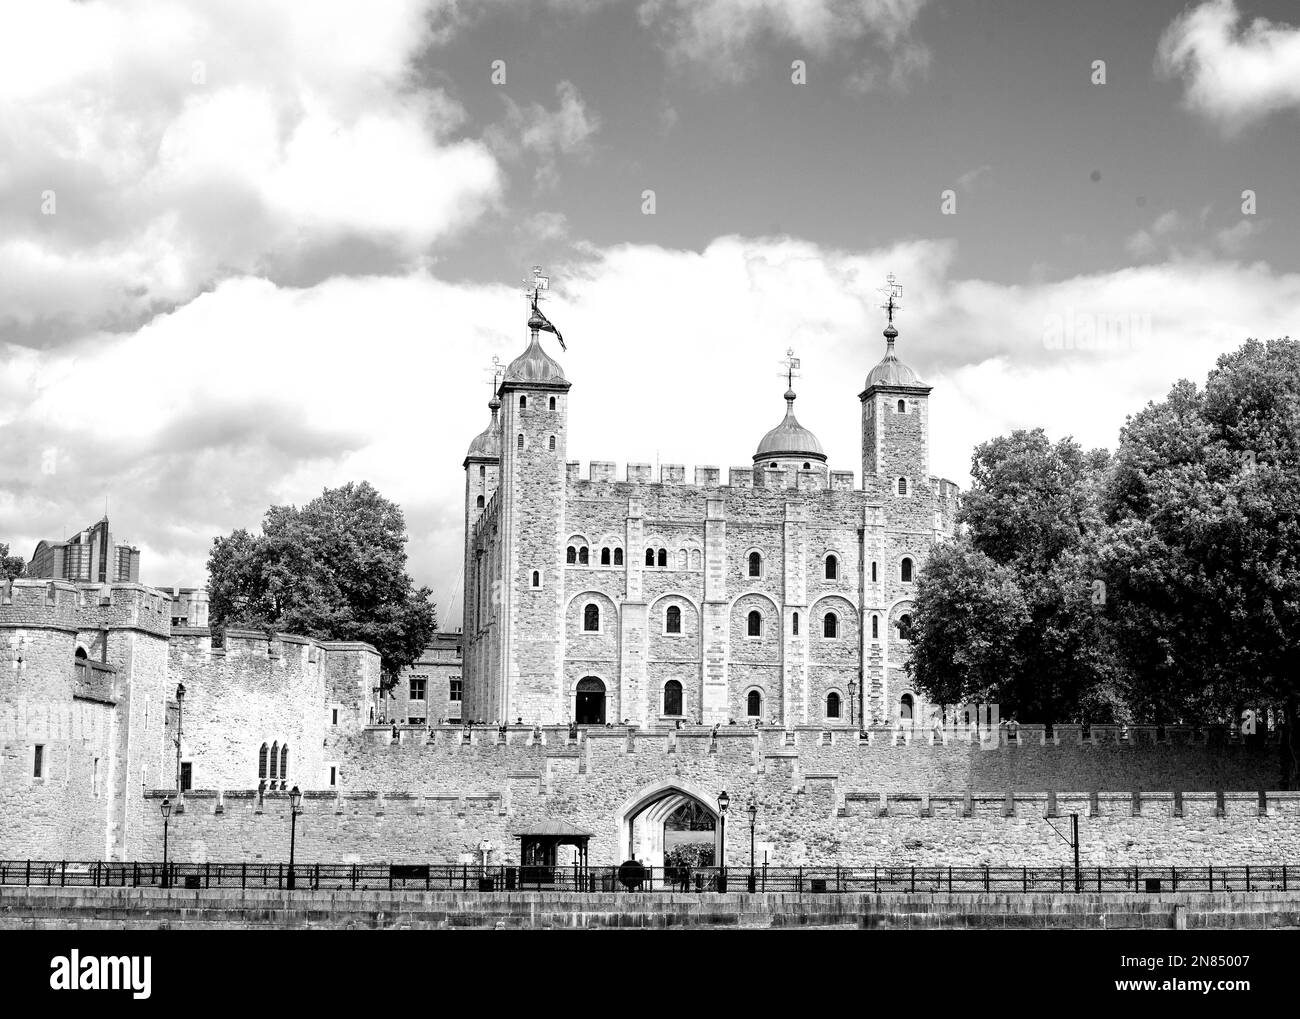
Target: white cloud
{"x":1232,"y":76}
{"x":970,"y":178}
{"x":720,"y":36}
{"x":256,"y":393}
{"x":185,"y":141}
{"x":547,"y":134}
{"x":1234,"y":240}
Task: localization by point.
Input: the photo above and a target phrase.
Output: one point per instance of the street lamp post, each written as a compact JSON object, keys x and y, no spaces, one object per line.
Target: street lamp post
{"x":180,"y":704}
{"x":166,"y":813}
{"x":853,"y":687}
{"x":753,"y":818}
{"x":723,"y":802}
{"x":295,"y":800}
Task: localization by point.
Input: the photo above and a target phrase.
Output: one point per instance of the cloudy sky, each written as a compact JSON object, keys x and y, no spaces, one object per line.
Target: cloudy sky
{"x":255,"y":248}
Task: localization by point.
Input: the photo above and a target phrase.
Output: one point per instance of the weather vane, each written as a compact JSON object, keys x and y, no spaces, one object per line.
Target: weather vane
{"x":893,"y":290}
{"x":790,"y":363}
{"x":495,"y":371}
{"x":536,"y":289}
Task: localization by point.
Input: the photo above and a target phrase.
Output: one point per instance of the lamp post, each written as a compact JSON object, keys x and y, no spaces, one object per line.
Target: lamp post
{"x":723,"y":802}
{"x":166,"y":813}
{"x":853,"y":688}
{"x":753,"y":818}
{"x":295,"y":799}
{"x":180,"y":704}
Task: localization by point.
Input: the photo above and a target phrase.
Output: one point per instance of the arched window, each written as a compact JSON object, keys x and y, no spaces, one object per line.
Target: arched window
{"x":604,"y":557}
{"x":571,"y":555}
{"x":755,"y":564}
{"x":673,"y":620}
{"x":519,"y":443}
{"x":905,"y":627}
{"x":902,"y":406}
{"x":583,"y":556}
{"x":832,"y":705}
{"x":754,"y":704}
{"x":873,"y":572}
{"x":672,"y":697}
{"x":875,"y":627}
{"x":902,"y":486}
{"x":695,"y":558}
{"x":537,"y":578}
{"x":261,"y":761}
{"x":479,"y":502}
{"x":830,"y":625}
{"x":649,"y":557}
{"x":523,"y":402}
{"x":81,"y":655}
{"x":275,"y":754}
{"x":905,"y":706}
{"x":795,"y":619}
{"x":552,"y":403}
{"x":663,"y":557}
{"x":591,"y":618}
{"x":618,"y":557}
{"x":482,"y":470}
{"x":755,"y":623}
{"x":551,"y":444}
{"x":284,"y":761}
{"x":905,"y":570}
{"x":832,"y":567}
{"x":807,"y":467}
{"x":683,"y":560}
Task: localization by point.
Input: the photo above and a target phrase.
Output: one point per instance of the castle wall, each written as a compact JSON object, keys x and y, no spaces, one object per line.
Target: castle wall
{"x":959,"y":804}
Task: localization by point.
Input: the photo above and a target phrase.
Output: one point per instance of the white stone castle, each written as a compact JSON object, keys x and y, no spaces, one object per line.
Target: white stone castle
{"x":781,"y":594}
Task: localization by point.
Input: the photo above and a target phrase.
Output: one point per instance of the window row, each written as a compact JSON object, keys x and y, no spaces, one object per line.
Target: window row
{"x":550,"y":442}
{"x":755,"y":623}
{"x":580,"y":555}
{"x":523,"y":403}
{"x":273,"y":763}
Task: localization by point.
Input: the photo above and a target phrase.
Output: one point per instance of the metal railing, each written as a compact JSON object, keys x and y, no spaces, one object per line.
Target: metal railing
{"x":800,"y":880}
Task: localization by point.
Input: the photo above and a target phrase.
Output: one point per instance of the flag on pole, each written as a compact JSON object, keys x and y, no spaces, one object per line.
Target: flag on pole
{"x":546,"y":324}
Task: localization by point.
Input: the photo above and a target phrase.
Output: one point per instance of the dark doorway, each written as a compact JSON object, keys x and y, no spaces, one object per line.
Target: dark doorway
{"x":591,"y":702}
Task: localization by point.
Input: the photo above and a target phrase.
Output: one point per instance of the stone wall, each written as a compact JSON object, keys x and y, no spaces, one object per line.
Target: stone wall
{"x":797,"y":826}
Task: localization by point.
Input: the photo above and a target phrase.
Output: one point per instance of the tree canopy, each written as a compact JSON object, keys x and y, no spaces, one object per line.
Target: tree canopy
{"x":1161,"y":584}
{"x":334,"y":569}
{"x":11,"y":566}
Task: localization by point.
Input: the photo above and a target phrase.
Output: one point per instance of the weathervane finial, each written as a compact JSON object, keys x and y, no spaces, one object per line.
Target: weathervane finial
{"x":790,"y":363}
{"x":892,"y":290}
{"x":535,"y":289}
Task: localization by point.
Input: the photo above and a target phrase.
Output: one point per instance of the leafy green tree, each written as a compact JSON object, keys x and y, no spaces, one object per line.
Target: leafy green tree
{"x":1007,"y":612}
{"x":334,"y":569}
{"x":1202,"y":555}
{"x":11,"y":566}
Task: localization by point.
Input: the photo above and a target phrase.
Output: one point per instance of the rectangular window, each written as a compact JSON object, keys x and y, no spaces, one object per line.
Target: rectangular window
{"x":456,"y":689}
{"x":334,"y":716}
{"x":38,"y":761}
{"x":94,"y":778}
{"x":417,"y":688}
{"x":187,"y":775}
{"x":334,"y":776}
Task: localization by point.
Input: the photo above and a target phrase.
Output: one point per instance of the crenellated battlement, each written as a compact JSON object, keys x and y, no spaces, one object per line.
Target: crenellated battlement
{"x":605,"y":472}
{"x":57,"y":604}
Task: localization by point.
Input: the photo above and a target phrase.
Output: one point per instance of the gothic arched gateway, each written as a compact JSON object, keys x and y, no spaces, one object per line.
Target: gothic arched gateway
{"x":589,"y":708}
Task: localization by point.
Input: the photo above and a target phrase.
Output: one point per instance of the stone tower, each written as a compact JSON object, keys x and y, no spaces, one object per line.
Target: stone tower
{"x":530,"y":589}
{"x":482,"y":474}
{"x":898,"y":524}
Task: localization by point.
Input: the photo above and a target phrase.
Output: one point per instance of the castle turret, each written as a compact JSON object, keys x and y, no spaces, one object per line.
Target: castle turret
{"x":790,"y":446}
{"x":530,"y":588}
{"x":895,"y":421}
{"x":482,"y":475}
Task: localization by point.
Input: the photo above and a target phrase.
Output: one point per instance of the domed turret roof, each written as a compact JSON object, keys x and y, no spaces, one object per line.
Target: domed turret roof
{"x":891,"y":371}
{"x":789,"y":438}
{"x":487,"y":444}
{"x":534,"y":364}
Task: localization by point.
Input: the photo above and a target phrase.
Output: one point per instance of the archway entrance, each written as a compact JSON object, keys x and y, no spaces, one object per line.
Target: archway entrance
{"x":590,"y":708}
{"x":671,"y":823}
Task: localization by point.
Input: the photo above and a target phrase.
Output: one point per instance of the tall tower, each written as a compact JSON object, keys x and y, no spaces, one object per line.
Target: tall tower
{"x":895,"y":416}
{"x":480,"y":647}
{"x":534,"y":432}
